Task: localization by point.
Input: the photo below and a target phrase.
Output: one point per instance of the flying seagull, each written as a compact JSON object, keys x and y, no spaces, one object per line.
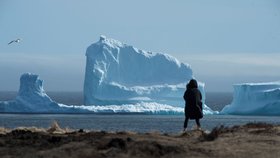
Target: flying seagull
{"x":17,"y":41}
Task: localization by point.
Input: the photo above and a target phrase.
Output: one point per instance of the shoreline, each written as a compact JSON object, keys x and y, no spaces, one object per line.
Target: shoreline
{"x":252,"y":139}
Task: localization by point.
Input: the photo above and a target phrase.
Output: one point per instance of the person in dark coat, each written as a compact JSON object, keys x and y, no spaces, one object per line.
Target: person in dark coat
{"x":193,"y":104}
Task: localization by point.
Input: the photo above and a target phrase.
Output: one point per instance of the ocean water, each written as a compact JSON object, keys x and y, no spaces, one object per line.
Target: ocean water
{"x":136,"y":123}
{"x":126,"y":122}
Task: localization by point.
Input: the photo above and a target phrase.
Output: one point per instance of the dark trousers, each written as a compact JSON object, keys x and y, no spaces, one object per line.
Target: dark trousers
{"x":187,"y":120}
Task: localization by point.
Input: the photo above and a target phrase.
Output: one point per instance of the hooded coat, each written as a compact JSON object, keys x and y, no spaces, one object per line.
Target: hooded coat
{"x":193,"y":103}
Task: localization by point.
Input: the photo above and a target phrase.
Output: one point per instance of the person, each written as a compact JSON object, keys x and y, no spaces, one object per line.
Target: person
{"x":193,"y":104}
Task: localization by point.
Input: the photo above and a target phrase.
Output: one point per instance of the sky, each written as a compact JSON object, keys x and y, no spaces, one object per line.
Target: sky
{"x":225,"y":41}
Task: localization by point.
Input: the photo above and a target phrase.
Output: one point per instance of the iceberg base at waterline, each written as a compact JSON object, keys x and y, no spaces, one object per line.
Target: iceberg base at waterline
{"x":142,"y":107}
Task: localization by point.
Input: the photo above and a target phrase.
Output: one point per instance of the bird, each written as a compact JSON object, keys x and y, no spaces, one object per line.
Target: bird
{"x":16,"y":41}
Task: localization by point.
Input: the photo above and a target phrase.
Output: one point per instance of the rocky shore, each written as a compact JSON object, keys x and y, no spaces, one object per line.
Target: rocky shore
{"x":250,"y":140}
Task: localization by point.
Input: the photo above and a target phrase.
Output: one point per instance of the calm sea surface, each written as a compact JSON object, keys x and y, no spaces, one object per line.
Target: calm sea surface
{"x":117,"y":122}
{"x":137,"y":123}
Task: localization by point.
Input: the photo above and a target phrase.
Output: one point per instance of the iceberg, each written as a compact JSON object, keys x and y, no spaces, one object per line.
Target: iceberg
{"x":117,"y":73}
{"x":32,"y":98}
{"x":255,"y":99}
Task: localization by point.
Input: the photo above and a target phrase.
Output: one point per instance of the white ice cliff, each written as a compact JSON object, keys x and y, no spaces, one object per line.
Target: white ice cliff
{"x":118,"y":73}
{"x":255,"y":99}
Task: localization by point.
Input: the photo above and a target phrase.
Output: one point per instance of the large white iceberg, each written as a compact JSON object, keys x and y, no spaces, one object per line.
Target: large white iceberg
{"x":118,"y":73}
{"x":255,"y":99}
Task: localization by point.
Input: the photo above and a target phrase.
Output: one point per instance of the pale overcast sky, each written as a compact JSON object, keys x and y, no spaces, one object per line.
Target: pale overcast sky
{"x":224,"y":41}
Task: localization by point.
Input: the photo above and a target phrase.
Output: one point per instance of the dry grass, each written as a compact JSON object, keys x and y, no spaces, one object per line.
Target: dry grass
{"x":53,"y":129}
{"x":4,"y":130}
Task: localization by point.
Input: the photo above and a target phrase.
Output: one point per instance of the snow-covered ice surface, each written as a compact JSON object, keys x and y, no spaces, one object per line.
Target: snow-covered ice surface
{"x":130,"y":79}
{"x":255,"y":99}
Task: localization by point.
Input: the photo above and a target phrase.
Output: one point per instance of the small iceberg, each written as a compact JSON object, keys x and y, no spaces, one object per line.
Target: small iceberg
{"x":255,"y":99}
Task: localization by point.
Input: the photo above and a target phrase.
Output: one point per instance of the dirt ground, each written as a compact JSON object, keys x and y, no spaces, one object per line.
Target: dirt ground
{"x":258,"y":140}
